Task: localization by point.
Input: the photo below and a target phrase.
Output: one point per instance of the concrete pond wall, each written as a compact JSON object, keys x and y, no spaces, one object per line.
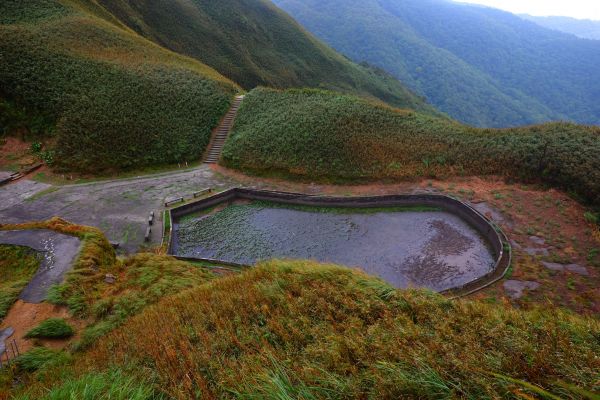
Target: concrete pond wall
{"x":493,"y":236}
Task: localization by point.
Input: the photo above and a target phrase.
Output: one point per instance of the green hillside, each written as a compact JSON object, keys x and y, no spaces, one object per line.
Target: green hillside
{"x":319,"y":134}
{"x":254,"y":43}
{"x":482,"y":66}
{"x":108,"y":98}
{"x":301,"y":330}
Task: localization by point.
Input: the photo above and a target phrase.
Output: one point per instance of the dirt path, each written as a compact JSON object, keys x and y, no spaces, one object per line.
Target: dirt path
{"x":25,"y":316}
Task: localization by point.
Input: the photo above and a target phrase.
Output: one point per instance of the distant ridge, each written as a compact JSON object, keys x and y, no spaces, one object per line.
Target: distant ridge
{"x":583,"y":28}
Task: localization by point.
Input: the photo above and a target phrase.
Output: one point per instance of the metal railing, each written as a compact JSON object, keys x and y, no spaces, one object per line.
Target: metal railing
{"x":5,"y":358}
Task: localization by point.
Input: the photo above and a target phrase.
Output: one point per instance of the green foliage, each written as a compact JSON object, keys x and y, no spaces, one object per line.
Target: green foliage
{"x":297,"y":329}
{"x":46,"y":156}
{"x":117,"y":100}
{"x":482,"y":66}
{"x":114,"y":384}
{"x":17,"y":267}
{"x":52,"y":328}
{"x":254,"y":43}
{"x":18,"y":119}
{"x":41,"y":357}
{"x":591,"y":218}
{"x":318,"y":134}
{"x":147,"y":279}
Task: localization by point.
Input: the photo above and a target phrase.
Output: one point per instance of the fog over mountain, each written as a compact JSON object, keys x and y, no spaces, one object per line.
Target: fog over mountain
{"x":583,"y":28}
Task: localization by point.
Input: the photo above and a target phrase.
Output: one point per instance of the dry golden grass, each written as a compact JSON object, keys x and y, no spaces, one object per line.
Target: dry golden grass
{"x":303,"y":330}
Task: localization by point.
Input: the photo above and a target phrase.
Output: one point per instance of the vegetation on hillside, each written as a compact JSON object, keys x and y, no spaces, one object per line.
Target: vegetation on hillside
{"x":17,"y":267}
{"x":302,"y":330}
{"x":482,"y":66}
{"x":318,"y":134}
{"x":110,"y":98}
{"x":254,"y":43}
{"x":292,"y":329}
{"x":139,"y":280}
{"x":52,"y":328}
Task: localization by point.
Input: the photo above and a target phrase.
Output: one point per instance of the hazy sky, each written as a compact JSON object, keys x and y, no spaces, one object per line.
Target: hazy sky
{"x":584,"y":9}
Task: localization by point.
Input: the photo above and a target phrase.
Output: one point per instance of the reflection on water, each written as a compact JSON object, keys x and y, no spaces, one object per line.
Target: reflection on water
{"x":432,"y":249}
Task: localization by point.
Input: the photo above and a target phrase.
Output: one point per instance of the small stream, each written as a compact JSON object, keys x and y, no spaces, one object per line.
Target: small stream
{"x":406,"y":247}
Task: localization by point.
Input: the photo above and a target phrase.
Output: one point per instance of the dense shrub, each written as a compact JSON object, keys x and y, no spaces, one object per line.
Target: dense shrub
{"x":318,"y":134}
{"x":52,"y":328}
{"x":118,"y":100}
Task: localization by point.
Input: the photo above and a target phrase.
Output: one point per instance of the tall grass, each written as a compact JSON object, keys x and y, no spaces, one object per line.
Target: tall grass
{"x":325,"y":135}
{"x":303,"y":330}
{"x":113,"y":385}
{"x":116,"y":100}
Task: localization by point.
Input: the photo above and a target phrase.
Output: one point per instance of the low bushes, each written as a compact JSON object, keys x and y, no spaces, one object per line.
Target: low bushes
{"x":52,"y":328}
{"x":325,"y":135}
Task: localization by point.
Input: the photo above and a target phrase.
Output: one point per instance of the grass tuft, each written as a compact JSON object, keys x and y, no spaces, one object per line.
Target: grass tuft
{"x":41,"y":357}
{"x":52,"y":328}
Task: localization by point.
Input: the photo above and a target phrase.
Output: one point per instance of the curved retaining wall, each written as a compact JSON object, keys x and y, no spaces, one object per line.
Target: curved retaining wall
{"x":493,"y":235}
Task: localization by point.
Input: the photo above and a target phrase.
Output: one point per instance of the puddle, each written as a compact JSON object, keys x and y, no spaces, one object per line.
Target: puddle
{"x":405,"y":247}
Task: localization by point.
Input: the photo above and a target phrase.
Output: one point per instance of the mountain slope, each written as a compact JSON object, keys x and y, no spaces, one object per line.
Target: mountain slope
{"x":583,"y":28}
{"x":105,"y":93}
{"x":340,"y":137}
{"x":482,"y":66}
{"x":254,"y":43}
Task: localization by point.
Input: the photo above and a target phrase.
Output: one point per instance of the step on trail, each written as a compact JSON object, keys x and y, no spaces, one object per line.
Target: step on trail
{"x":213,"y":154}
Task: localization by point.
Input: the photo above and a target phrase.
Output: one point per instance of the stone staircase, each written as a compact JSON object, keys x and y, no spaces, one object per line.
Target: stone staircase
{"x":213,"y":154}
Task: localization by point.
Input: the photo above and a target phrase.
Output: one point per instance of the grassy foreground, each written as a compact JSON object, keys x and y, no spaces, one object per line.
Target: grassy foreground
{"x":103,"y":96}
{"x":166,"y":329}
{"x":301,"y":330}
{"x":318,"y":134}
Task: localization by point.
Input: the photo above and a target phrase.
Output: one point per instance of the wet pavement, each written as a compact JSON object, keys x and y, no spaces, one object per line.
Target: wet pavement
{"x":120,"y":208}
{"x":5,"y":334}
{"x":59,"y":252}
{"x":432,"y":249}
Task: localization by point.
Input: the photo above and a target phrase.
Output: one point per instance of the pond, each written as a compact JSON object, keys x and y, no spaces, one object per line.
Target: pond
{"x":405,"y":246}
